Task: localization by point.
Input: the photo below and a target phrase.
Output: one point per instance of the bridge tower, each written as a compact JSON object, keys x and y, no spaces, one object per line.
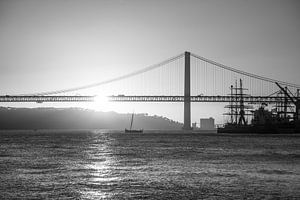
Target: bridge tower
{"x":187,"y":91}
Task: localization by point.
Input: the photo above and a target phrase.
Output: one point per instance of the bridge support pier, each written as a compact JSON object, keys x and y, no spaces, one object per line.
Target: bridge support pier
{"x":187,"y":92}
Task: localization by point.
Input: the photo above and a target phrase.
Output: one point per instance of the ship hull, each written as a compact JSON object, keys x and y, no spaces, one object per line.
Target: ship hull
{"x":263,"y":129}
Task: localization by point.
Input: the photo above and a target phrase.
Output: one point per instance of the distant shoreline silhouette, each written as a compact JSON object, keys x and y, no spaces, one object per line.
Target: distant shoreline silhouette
{"x":77,"y":118}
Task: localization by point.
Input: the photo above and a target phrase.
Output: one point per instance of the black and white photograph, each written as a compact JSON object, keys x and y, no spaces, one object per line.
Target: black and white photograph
{"x":149,"y":99}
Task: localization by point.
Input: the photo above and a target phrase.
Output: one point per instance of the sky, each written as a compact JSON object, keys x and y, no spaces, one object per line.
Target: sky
{"x":57,"y":44}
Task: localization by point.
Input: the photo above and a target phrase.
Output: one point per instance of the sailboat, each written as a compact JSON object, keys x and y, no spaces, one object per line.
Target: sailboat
{"x":133,"y":130}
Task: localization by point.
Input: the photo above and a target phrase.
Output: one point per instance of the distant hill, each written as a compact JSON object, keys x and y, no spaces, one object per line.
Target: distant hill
{"x":77,"y":118}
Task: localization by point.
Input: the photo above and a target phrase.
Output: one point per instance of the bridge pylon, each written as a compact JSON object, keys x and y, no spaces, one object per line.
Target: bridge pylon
{"x":187,"y":91}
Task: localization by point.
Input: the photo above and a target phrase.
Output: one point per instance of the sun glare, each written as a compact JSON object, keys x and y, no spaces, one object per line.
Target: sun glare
{"x":101,"y":102}
{"x":101,"y":99}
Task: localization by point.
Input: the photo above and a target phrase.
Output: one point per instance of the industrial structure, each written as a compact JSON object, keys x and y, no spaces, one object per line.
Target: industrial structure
{"x":207,"y":123}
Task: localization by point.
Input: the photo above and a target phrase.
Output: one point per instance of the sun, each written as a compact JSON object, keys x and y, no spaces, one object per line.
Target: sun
{"x":101,"y":99}
{"x":101,"y":102}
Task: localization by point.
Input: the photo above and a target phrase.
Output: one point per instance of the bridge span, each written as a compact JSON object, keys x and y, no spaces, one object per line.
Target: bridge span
{"x":123,"y":98}
{"x":178,"y":79}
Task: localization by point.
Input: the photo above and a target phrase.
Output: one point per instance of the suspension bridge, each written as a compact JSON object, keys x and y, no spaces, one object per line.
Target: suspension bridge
{"x":184,"y":78}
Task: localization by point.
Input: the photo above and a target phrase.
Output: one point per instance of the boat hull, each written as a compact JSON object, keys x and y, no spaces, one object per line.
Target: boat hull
{"x":134,"y":130}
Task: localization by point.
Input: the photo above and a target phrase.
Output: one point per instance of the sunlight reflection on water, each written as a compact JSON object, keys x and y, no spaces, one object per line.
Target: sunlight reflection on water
{"x":100,"y":168}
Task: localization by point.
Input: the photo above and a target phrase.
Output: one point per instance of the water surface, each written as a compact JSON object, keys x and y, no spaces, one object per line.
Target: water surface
{"x":99,"y":164}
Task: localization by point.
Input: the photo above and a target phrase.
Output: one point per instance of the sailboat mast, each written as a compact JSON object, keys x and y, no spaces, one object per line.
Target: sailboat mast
{"x":131,"y":121}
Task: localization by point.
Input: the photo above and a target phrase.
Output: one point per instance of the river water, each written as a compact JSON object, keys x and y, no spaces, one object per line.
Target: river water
{"x":99,"y":164}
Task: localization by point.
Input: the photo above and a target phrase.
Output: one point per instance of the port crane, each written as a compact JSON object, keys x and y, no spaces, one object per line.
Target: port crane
{"x":295,"y":100}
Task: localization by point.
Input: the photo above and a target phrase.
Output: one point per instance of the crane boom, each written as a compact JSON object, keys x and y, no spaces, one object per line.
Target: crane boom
{"x":295,"y":100}
{"x":286,"y":93}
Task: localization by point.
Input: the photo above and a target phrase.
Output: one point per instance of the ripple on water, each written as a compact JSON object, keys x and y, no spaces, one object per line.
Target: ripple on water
{"x":101,"y":165}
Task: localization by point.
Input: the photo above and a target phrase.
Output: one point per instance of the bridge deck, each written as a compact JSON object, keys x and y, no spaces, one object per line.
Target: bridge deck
{"x":225,"y":99}
{"x":41,"y":99}
{"x":121,"y":98}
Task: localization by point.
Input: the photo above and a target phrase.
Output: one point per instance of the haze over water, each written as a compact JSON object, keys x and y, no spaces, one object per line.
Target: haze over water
{"x":101,"y":164}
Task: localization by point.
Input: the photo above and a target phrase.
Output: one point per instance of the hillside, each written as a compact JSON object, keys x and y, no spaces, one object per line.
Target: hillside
{"x":77,"y":118}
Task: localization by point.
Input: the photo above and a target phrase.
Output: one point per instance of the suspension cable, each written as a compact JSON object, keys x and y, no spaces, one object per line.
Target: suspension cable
{"x":149,"y":68}
{"x":245,"y":73}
